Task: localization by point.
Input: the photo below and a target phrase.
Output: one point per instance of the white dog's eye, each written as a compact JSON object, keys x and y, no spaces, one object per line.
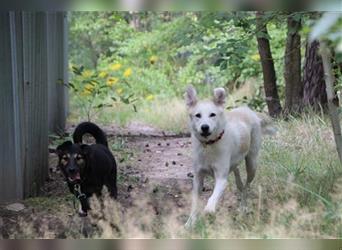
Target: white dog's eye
{"x":198,"y":115}
{"x":212,"y":115}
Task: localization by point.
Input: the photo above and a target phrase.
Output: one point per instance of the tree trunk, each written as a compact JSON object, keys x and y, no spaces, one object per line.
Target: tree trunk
{"x":270,"y":81}
{"x":333,"y":109}
{"x":314,"y":94}
{"x":292,"y":68}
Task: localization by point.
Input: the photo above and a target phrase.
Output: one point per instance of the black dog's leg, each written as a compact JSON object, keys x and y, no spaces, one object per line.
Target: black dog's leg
{"x":84,"y":206}
{"x":110,"y":183}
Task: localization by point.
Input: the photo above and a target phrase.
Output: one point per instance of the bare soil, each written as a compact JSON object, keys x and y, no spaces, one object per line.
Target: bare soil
{"x":151,"y":165}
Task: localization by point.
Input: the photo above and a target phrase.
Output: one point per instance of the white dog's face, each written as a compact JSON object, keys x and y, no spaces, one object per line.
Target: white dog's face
{"x":206,"y":116}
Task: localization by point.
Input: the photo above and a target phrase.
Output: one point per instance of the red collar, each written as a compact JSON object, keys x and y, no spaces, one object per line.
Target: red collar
{"x":210,"y":142}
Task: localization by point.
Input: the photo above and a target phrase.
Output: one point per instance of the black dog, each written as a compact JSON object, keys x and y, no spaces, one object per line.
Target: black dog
{"x":87,"y":168}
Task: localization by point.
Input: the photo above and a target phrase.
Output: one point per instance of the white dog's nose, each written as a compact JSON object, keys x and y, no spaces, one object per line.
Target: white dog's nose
{"x":205,"y":128}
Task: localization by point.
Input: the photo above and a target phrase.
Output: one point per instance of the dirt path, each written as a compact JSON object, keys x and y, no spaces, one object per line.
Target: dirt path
{"x":152,"y":166}
{"x":163,"y":158}
{"x":154,"y":175}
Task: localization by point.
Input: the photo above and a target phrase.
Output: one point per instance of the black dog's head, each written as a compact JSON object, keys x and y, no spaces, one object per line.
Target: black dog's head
{"x":72,"y":160}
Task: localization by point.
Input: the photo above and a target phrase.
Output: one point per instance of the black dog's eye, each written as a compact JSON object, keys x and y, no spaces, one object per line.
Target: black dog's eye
{"x":79,"y":159}
{"x":65,"y":157}
{"x":198,"y":115}
{"x":212,"y":115}
{"x":64,"y":160}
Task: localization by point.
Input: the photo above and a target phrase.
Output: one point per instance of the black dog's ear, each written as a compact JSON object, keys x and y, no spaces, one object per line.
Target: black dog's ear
{"x":63,"y":147}
{"x":85,"y":149}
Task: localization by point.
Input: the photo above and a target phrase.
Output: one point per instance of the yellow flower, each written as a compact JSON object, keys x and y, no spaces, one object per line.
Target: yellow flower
{"x":85,"y":93}
{"x":153,"y":59}
{"x":119,"y":91}
{"x":255,"y":57}
{"x":89,"y":87}
{"x":150,"y":97}
{"x":127,"y":72}
{"x":103,"y":74}
{"x":115,"y":66}
{"x":87,"y":73}
{"x":111,"y":81}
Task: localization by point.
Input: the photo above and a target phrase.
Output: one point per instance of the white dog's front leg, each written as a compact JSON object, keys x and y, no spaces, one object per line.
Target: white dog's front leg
{"x":220,"y":185}
{"x":196,"y":190}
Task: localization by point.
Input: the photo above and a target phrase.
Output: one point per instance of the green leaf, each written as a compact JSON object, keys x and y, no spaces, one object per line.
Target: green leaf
{"x":124,"y":100}
{"x":72,"y":86}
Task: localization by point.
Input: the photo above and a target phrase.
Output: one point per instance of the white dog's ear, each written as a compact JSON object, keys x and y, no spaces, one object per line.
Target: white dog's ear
{"x":219,"y":96}
{"x":190,"y":96}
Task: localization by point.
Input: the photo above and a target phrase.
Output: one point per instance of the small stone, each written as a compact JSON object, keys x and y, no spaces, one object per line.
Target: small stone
{"x":129,"y":188}
{"x":191,"y":175}
{"x":173,"y":163}
{"x":166,"y":164}
{"x":139,"y":159}
{"x":167,"y":144}
{"x":179,"y":154}
{"x":16,"y":207}
{"x":144,"y":179}
{"x":159,"y":144}
{"x":181,"y":165}
{"x":146,"y":145}
{"x":179,"y":204}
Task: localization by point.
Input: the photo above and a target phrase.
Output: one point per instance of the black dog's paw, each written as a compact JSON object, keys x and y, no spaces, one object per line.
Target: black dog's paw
{"x":81,"y":213}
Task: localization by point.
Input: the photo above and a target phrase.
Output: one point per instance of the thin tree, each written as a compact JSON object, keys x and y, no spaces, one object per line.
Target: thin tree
{"x":270,"y":80}
{"x":292,"y":67}
{"x":333,"y":109}
{"x":314,"y":94}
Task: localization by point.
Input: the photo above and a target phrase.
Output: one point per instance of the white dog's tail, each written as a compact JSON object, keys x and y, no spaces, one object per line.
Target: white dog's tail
{"x":267,"y":124}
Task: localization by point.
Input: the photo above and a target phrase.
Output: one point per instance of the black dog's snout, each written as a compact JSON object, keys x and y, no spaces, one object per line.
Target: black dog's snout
{"x":72,"y":170}
{"x":205,"y":128}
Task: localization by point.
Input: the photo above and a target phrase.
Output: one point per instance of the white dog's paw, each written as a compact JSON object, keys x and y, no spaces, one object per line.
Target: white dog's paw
{"x":209,"y":209}
{"x":191,"y":221}
{"x":188,"y":225}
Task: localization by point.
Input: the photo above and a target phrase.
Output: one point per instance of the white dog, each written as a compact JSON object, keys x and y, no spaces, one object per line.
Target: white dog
{"x":220,"y":141}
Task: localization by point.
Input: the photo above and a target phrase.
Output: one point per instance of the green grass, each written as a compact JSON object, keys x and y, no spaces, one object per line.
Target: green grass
{"x":296,"y":192}
{"x":164,"y":114}
{"x":297,"y":186}
{"x":52,"y":204}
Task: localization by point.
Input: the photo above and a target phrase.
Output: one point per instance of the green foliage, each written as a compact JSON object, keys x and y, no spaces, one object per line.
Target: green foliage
{"x":256,"y":102}
{"x":205,"y":49}
{"x":96,"y":89}
{"x":166,"y":51}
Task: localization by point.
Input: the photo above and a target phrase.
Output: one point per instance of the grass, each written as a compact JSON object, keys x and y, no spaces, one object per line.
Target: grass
{"x":167,"y":115}
{"x":296,"y":193}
